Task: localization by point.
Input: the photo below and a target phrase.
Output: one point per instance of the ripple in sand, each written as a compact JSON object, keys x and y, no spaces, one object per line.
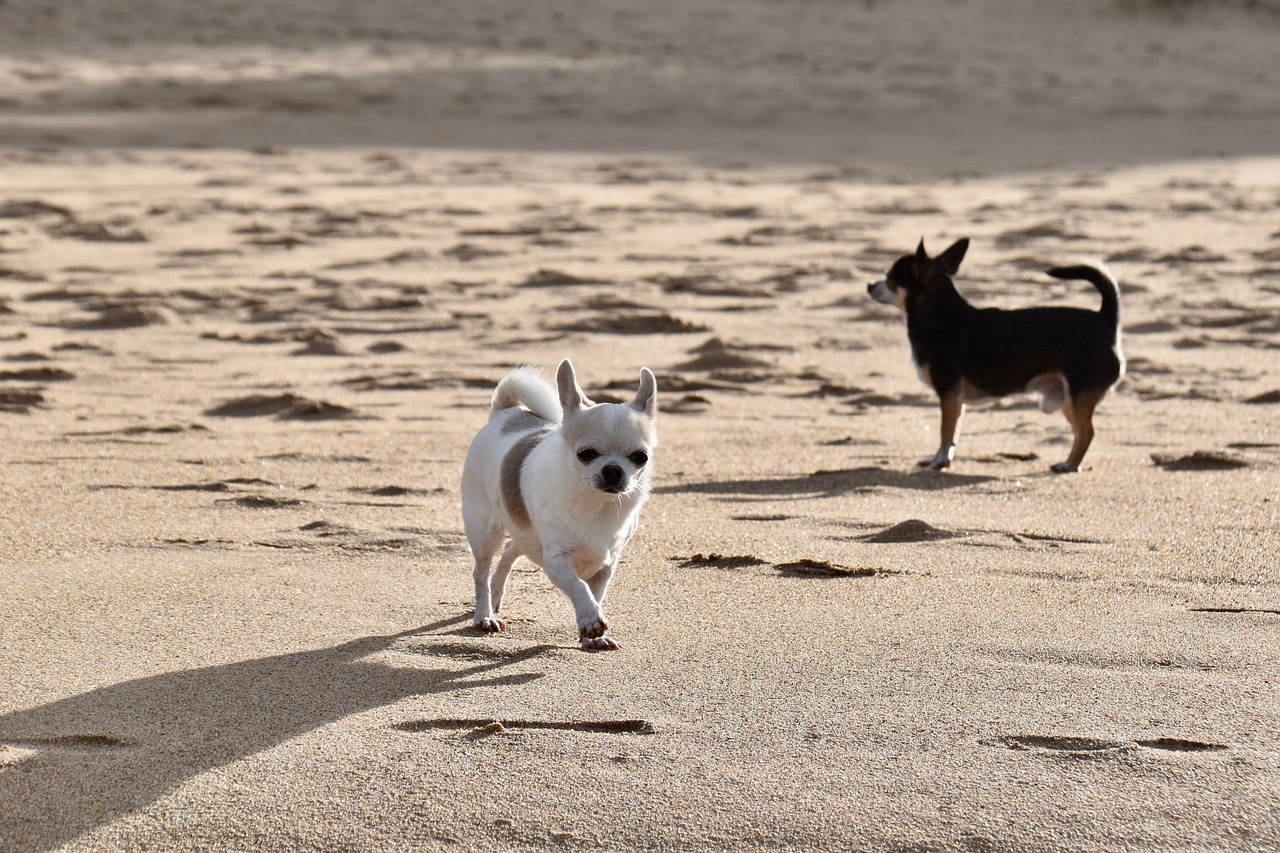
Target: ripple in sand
{"x":282,"y":406}
{"x":115,"y":317}
{"x":810,"y":568}
{"x":1080,"y":747}
{"x":718,"y":561}
{"x":689,"y":404}
{"x":1086,"y":747}
{"x":1200,"y":460}
{"x":31,"y":209}
{"x":648,"y":322}
{"x":1043,"y":231}
{"x":20,"y":402}
{"x":1191,"y":255}
{"x":36,"y":374}
{"x":98,"y":232}
{"x":556,"y":278}
{"x":491,"y":726}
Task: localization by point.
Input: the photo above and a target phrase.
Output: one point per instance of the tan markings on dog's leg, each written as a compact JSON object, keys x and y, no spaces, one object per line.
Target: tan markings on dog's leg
{"x":498,"y":584}
{"x":512,"y":463}
{"x":1079,"y":411}
{"x":952,"y":410}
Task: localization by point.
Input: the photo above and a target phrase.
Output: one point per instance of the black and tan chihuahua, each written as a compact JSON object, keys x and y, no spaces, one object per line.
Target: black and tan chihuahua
{"x":1070,"y":357}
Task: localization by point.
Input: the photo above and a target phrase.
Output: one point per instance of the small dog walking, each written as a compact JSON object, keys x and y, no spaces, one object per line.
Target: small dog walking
{"x":1070,"y":357}
{"x":564,"y":478}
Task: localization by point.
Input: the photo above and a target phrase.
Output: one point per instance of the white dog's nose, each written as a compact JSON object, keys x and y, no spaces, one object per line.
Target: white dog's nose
{"x":611,"y":475}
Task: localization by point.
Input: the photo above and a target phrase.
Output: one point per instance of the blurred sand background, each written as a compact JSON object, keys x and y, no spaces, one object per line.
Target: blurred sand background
{"x":261,"y":265}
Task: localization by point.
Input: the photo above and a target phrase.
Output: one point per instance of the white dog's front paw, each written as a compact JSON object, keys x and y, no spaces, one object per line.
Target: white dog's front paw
{"x":591,"y":628}
{"x":599,"y":644}
{"x":489,"y":624}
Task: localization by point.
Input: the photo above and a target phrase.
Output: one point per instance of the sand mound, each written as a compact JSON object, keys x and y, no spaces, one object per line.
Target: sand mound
{"x":911,"y":530}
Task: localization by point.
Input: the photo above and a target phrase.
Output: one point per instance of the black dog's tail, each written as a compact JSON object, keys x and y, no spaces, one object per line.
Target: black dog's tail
{"x":1101,"y":279}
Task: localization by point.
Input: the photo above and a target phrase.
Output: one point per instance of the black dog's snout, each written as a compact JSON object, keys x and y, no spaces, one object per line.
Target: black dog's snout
{"x":871,"y":288}
{"x":611,"y":475}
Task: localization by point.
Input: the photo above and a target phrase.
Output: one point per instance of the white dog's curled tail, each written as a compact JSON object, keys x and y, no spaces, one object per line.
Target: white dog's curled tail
{"x":525,"y":385}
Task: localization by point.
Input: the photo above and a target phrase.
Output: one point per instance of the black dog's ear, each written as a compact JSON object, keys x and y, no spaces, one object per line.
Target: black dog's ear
{"x":952,"y":257}
{"x":922,"y":258}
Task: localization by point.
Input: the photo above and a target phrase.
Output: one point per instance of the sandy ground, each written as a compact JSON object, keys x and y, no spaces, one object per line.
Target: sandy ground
{"x":261,"y":265}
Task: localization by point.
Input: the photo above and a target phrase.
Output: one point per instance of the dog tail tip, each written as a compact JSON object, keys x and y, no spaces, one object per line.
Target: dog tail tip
{"x":527,"y":386}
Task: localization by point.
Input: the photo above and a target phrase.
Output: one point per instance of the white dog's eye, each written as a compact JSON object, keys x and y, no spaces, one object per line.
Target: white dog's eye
{"x":638,"y":458}
{"x":587,"y":455}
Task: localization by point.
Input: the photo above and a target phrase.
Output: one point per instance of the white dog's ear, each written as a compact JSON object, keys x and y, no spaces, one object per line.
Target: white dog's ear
{"x":572,"y":400}
{"x":647,"y":397}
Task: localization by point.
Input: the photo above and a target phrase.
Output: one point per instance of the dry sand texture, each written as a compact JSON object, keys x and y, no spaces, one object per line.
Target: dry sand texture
{"x":260,"y":266}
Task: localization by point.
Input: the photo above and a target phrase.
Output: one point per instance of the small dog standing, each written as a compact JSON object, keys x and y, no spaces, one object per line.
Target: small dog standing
{"x":564,"y":478}
{"x":1069,"y":356}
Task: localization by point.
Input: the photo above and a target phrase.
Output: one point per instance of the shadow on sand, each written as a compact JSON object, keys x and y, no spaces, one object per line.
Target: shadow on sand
{"x":825,"y":484}
{"x":113,"y":751}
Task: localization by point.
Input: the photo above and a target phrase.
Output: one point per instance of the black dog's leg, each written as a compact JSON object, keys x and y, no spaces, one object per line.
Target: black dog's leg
{"x":1079,"y":410}
{"x":952,"y":408}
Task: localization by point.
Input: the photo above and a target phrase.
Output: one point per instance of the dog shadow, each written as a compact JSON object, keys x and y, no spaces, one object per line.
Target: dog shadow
{"x":113,"y":751}
{"x":825,"y":484}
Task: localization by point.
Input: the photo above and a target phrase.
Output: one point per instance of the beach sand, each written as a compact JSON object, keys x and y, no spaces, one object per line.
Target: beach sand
{"x":260,"y":268}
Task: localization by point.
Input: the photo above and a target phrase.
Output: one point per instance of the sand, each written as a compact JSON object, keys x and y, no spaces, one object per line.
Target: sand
{"x":260,"y":268}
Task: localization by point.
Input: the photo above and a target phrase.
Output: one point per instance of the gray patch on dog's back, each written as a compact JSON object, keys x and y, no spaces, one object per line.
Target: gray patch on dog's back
{"x":523,"y":421}
{"x":512,"y":464}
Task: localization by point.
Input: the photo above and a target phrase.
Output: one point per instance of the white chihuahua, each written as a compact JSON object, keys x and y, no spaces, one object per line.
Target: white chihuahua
{"x":564,"y":478}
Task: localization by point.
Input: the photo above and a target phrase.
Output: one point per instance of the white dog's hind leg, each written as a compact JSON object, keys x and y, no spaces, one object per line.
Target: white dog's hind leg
{"x":498,"y":583}
{"x":483,"y":546}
